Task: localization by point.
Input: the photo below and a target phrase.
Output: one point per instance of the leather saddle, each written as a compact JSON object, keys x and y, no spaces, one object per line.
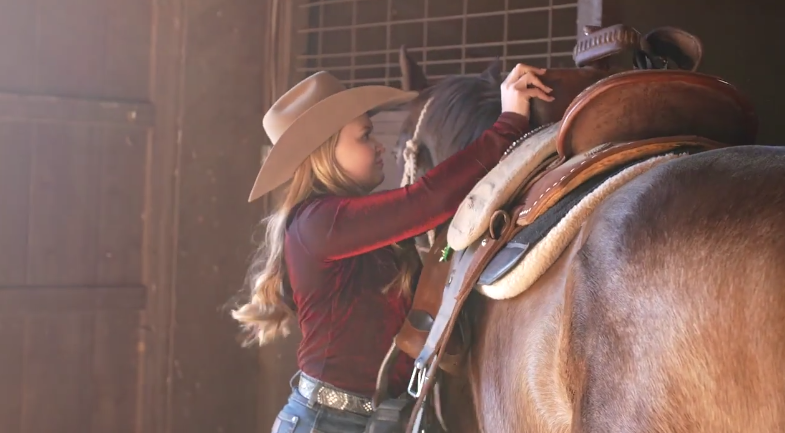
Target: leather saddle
{"x":641,"y":104}
{"x":662,"y":48}
{"x":612,"y":119}
{"x":628,"y":106}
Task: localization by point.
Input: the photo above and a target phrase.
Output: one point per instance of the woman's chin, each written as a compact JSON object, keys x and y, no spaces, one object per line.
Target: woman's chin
{"x":375,"y":183}
{"x":380,"y":181}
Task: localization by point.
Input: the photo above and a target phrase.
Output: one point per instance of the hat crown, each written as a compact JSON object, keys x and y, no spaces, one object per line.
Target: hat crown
{"x":307,"y":115}
{"x":297,"y":101}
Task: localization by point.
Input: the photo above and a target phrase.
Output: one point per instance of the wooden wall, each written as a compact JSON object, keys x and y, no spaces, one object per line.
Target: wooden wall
{"x":129,"y":138}
{"x":215,"y":382}
{"x":75,"y":123}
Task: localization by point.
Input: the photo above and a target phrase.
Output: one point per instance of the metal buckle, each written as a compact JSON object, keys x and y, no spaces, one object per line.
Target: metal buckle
{"x":419,"y":373}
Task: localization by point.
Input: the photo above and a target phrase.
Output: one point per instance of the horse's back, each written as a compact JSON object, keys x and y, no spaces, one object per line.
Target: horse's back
{"x":678,"y":316}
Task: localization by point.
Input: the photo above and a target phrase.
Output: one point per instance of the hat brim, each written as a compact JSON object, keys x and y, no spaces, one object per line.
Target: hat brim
{"x":316,"y":125}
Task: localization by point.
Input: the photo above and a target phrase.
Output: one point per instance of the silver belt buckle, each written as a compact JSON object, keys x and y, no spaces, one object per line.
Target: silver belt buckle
{"x":306,"y":387}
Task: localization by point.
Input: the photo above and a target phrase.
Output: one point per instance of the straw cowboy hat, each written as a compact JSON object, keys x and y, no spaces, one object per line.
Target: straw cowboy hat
{"x":307,"y":115}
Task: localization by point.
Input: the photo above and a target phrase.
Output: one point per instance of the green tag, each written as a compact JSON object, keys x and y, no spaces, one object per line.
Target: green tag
{"x":446,"y":254}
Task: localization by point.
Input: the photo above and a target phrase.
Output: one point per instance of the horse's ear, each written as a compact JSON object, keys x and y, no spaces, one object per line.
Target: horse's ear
{"x":493,"y":72}
{"x":412,"y":76}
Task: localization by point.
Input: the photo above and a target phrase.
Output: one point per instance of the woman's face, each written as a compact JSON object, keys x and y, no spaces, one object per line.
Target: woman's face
{"x":359,"y":154}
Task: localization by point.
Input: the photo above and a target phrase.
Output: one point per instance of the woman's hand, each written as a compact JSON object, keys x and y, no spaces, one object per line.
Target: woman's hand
{"x":520,"y":86}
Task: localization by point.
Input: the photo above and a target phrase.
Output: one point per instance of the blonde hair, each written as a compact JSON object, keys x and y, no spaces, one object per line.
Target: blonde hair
{"x":268,"y":313}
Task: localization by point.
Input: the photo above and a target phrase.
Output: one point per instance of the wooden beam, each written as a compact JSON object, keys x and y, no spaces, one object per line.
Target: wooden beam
{"x":42,"y":108}
{"x":59,"y":299}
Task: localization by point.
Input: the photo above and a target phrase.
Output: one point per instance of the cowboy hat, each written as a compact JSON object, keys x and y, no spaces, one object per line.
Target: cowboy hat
{"x":307,"y":115}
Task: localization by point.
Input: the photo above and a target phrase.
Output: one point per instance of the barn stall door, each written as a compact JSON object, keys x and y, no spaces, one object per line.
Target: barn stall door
{"x":73,"y":155}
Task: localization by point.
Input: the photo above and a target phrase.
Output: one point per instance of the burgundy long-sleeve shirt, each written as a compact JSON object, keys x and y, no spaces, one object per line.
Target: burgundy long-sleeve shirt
{"x":338,"y":257}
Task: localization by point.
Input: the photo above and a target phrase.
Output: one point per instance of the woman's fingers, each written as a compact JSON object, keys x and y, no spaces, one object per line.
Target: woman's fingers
{"x":531,"y":80}
{"x":535,"y":92}
{"x":522,"y":70}
{"x":520,"y":86}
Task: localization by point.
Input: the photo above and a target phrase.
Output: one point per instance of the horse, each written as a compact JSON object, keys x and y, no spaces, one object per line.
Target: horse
{"x":665,"y":313}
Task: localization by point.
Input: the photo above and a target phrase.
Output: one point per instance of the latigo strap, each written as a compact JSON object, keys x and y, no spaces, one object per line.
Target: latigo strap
{"x":465,"y":272}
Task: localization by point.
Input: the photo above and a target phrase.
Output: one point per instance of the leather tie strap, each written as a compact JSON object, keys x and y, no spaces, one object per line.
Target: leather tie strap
{"x":461,"y":262}
{"x":383,"y":377}
{"x":464,"y":275}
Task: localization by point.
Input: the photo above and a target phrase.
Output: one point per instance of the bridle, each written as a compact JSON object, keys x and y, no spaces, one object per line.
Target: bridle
{"x":410,"y":154}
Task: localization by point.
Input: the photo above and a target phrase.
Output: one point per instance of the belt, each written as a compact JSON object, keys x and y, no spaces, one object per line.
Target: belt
{"x":331,"y":397}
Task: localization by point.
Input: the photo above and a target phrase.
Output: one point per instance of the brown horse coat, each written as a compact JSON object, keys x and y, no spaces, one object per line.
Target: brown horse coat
{"x":665,"y":314}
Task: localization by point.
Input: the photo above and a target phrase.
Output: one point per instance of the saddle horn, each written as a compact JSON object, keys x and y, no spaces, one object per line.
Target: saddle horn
{"x":676,"y":45}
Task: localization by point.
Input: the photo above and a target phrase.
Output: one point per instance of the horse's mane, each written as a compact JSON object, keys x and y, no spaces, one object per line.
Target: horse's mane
{"x":463,"y":107}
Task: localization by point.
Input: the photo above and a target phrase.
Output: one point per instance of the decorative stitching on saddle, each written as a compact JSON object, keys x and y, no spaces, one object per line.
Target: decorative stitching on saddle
{"x":529,"y":209}
{"x":591,"y":153}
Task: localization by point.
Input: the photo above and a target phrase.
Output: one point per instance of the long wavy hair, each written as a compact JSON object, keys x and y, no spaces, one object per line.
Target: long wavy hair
{"x":267,"y":311}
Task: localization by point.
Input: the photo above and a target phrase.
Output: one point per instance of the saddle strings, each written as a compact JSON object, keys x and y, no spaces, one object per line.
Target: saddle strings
{"x":410,"y":160}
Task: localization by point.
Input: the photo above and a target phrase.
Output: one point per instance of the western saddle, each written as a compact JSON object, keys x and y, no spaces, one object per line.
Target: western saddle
{"x":603,"y":119}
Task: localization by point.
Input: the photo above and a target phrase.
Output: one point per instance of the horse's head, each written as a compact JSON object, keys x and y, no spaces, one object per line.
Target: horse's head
{"x":459,"y":109}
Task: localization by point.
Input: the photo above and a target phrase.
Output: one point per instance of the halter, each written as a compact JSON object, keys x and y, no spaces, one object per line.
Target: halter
{"x":410,"y":154}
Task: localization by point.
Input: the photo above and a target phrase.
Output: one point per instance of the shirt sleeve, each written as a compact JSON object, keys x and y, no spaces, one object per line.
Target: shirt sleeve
{"x":333,"y":227}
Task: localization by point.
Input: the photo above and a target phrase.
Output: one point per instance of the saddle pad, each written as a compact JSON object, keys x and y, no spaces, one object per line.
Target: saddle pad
{"x":545,"y":252}
{"x":473,"y":216}
{"x":516,"y":248}
{"x":533,"y":232}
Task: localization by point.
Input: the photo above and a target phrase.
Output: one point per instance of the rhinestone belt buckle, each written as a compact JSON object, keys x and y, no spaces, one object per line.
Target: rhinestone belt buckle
{"x":342,"y":401}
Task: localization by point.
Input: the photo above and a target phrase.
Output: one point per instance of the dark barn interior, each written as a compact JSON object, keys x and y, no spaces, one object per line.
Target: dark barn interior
{"x":130,"y":134}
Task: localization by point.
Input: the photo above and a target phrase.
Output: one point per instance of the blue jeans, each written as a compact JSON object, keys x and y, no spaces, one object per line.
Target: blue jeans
{"x":300,"y":417}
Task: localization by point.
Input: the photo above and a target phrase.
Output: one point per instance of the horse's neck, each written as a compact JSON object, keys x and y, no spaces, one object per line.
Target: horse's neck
{"x":422,"y":242}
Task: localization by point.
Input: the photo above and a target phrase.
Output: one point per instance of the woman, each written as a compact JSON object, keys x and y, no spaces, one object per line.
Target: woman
{"x":333,"y":256}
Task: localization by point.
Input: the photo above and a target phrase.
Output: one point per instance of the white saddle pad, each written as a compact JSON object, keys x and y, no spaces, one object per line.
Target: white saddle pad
{"x":495,"y":189}
{"x":545,"y":253}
